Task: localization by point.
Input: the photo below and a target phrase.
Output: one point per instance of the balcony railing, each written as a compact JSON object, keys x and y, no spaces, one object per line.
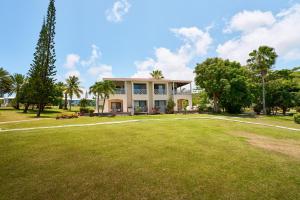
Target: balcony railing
{"x":120,"y":91}
{"x":140,"y":91}
{"x":160,"y":91}
{"x":183,"y":92}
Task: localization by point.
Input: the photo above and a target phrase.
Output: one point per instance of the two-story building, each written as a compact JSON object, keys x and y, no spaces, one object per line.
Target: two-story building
{"x":147,"y":95}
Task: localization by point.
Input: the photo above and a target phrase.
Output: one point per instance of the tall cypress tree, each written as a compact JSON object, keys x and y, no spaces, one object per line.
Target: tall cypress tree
{"x":42,"y":71}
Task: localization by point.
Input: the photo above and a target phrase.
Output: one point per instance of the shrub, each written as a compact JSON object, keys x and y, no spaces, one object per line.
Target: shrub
{"x":297,"y":109}
{"x":91,"y":112}
{"x":84,"y":110}
{"x":297,"y":118}
{"x":170,"y":106}
{"x":67,"y":116}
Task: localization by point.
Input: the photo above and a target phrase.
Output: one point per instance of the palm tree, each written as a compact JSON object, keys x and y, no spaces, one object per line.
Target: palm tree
{"x":108,"y":88}
{"x":5,"y":82}
{"x":73,"y":88}
{"x":97,"y":90}
{"x":261,"y":61}
{"x":102,"y":89}
{"x":157,"y":74}
{"x":17,"y":82}
{"x":61,"y":87}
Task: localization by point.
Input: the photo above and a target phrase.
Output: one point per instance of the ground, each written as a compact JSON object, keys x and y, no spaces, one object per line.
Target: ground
{"x":156,"y":157}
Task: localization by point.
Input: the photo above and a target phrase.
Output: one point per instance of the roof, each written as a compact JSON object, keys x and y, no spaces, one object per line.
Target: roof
{"x":147,"y":80}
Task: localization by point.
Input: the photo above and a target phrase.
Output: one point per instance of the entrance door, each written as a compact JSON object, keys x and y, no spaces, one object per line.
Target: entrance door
{"x":116,"y":106}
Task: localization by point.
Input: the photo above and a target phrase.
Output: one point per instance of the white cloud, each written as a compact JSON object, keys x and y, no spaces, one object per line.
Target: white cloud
{"x":117,"y":12}
{"x":248,"y":20}
{"x":282,"y":34}
{"x":91,"y":66}
{"x":71,"y":61}
{"x":174,"y":64}
{"x":101,"y":71}
{"x":93,"y":59}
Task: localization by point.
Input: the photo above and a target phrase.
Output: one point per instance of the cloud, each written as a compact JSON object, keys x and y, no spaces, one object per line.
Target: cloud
{"x":101,"y":71}
{"x":117,"y":12}
{"x":93,"y":59}
{"x":71,"y":61}
{"x":174,"y":64}
{"x":248,"y":20}
{"x":281,"y":33}
{"x":91,"y":67}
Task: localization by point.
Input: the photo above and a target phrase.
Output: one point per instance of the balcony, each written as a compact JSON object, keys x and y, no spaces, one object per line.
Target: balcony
{"x":120,"y":91}
{"x":160,"y":91}
{"x":182,"y":92}
{"x":140,"y":91}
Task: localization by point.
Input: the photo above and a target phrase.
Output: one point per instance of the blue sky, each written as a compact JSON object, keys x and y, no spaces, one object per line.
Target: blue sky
{"x":125,"y":38}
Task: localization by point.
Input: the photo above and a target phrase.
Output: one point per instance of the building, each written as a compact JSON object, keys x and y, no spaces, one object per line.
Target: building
{"x":147,"y":95}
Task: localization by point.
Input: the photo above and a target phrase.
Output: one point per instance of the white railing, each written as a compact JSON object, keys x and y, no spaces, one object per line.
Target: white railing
{"x":140,"y":91}
{"x":160,"y":91}
{"x":120,"y":91}
{"x":183,"y":92}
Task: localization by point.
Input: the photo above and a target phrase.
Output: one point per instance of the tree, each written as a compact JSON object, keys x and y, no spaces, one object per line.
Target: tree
{"x":97,"y":90}
{"x":17,"y":83}
{"x":102,"y":89}
{"x":108,"y":88}
{"x":261,"y":61}
{"x":210,"y":77}
{"x":42,"y":71}
{"x":225,"y":82}
{"x":170,"y":106}
{"x":157,"y":74}
{"x":5,"y":82}
{"x":58,"y":95}
{"x":72,"y":88}
{"x":283,"y":90}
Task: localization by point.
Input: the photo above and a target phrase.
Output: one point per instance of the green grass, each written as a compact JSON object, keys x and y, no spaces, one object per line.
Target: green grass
{"x":167,"y":159}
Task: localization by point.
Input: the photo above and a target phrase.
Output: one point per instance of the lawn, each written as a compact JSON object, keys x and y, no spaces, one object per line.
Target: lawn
{"x":150,"y":159}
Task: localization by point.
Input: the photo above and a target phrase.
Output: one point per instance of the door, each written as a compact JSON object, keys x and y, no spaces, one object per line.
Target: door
{"x":116,"y":107}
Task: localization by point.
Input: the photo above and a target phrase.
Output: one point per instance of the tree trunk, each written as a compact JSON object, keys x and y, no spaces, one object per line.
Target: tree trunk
{"x":39,"y":110}
{"x":98,"y":103}
{"x":284,"y":110}
{"x":66,"y":101}
{"x":70,"y":102}
{"x":264,"y":95}
{"x":216,"y":103}
{"x":103,"y":105}
{"x":26,"y":108}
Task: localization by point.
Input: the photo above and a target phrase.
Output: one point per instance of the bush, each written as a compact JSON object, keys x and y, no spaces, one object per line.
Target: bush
{"x":91,"y":112}
{"x":297,"y":109}
{"x":170,"y":106}
{"x":67,"y":116}
{"x":84,"y":110}
{"x":297,"y":118}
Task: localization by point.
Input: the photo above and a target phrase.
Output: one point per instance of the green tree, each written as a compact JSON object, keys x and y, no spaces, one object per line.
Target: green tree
{"x":157,"y":74}
{"x":108,"y":88}
{"x":170,"y":106}
{"x":97,"y":90}
{"x":261,"y":61}
{"x":5,"y":82}
{"x":42,"y":71}
{"x":73,"y":87}
{"x":210,"y":77}
{"x":17,"y":83}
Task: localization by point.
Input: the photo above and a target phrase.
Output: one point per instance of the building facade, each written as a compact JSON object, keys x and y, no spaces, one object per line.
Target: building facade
{"x":147,"y":95}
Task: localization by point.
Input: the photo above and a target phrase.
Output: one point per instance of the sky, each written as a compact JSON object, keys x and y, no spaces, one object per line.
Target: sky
{"x":130,"y":38}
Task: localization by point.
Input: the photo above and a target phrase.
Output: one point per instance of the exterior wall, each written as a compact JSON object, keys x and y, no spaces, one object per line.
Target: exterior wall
{"x":185,"y":97}
{"x":129,"y":97}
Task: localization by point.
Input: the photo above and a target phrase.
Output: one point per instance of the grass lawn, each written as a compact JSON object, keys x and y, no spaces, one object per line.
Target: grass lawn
{"x":149,"y":159}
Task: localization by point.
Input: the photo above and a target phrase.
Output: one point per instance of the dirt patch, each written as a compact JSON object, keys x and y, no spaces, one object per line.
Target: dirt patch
{"x":287,"y":147}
